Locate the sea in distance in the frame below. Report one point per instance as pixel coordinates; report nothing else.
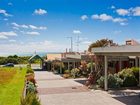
(28, 54)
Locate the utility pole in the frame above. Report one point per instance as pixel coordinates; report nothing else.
(71, 41)
(78, 43)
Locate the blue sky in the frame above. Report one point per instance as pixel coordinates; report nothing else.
(43, 25)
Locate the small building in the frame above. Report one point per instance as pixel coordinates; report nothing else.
(35, 56)
(132, 42)
(69, 59)
(116, 58)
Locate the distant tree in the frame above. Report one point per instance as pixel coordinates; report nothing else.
(2, 60)
(15, 56)
(14, 59)
(101, 43)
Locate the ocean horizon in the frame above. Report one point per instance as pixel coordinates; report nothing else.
(27, 54)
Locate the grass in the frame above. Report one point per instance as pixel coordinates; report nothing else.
(11, 85)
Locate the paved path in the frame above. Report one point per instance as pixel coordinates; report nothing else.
(55, 90)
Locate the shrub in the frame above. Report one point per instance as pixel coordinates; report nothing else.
(29, 69)
(30, 77)
(30, 99)
(100, 81)
(75, 73)
(91, 64)
(28, 66)
(128, 77)
(66, 75)
(113, 81)
(135, 71)
(130, 81)
(31, 88)
(67, 71)
(125, 72)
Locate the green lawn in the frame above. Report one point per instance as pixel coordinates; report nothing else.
(11, 85)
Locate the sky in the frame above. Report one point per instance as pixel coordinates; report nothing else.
(27, 26)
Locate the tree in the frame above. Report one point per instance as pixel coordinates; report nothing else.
(99, 58)
(101, 43)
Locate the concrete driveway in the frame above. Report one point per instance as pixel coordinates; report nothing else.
(55, 90)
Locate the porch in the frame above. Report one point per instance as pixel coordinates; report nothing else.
(121, 53)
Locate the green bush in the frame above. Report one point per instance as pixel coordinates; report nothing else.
(14, 59)
(130, 81)
(114, 81)
(67, 71)
(30, 99)
(91, 64)
(128, 77)
(136, 72)
(125, 72)
(29, 69)
(31, 88)
(75, 73)
(100, 81)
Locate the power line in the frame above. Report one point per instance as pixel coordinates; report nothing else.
(78, 43)
(71, 43)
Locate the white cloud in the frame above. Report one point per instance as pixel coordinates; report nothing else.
(15, 24)
(12, 40)
(136, 11)
(42, 28)
(24, 26)
(119, 20)
(117, 32)
(113, 7)
(10, 4)
(122, 12)
(40, 12)
(16, 28)
(77, 32)
(133, 11)
(39, 28)
(19, 26)
(28, 26)
(32, 27)
(3, 37)
(10, 33)
(43, 46)
(5, 19)
(84, 17)
(102, 17)
(86, 42)
(33, 33)
(39, 46)
(105, 17)
(123, 24)
(4, 12)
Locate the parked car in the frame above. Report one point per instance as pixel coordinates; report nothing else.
(9, 65)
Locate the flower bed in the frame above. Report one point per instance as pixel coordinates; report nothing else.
(30, 97)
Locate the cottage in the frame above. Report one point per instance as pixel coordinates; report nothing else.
(118, 57)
